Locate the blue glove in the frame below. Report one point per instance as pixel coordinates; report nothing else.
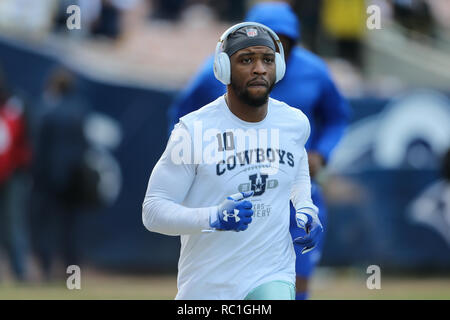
(313, 227)
(234, 213)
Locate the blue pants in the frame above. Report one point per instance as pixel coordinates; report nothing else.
(305, 263)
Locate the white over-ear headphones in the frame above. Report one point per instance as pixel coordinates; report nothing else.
(222, 65)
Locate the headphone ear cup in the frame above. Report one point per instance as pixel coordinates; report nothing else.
(222, 68)
(280, 67)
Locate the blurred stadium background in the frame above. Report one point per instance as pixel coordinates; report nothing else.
(386, 184)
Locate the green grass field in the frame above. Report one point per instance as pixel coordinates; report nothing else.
(325, 285)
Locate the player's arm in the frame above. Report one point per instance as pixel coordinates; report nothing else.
(169, 184)
(306, 212)
(301, 188)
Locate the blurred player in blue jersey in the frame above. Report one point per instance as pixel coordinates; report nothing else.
(307, 85)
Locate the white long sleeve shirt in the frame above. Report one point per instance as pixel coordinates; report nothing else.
(212, 154)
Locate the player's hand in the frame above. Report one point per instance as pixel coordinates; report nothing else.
(235, 213)
(313, 228)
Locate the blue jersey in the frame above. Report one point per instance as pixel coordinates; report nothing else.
(307, 85)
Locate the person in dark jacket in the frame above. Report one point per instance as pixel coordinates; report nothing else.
(59, 148)
(15, 158)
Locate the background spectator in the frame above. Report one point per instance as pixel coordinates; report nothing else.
(15, 156)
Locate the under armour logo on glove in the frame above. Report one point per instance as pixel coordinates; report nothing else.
(235, 213)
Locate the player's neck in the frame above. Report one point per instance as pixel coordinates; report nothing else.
(244, 111)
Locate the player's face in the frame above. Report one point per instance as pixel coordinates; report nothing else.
(253, 74)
